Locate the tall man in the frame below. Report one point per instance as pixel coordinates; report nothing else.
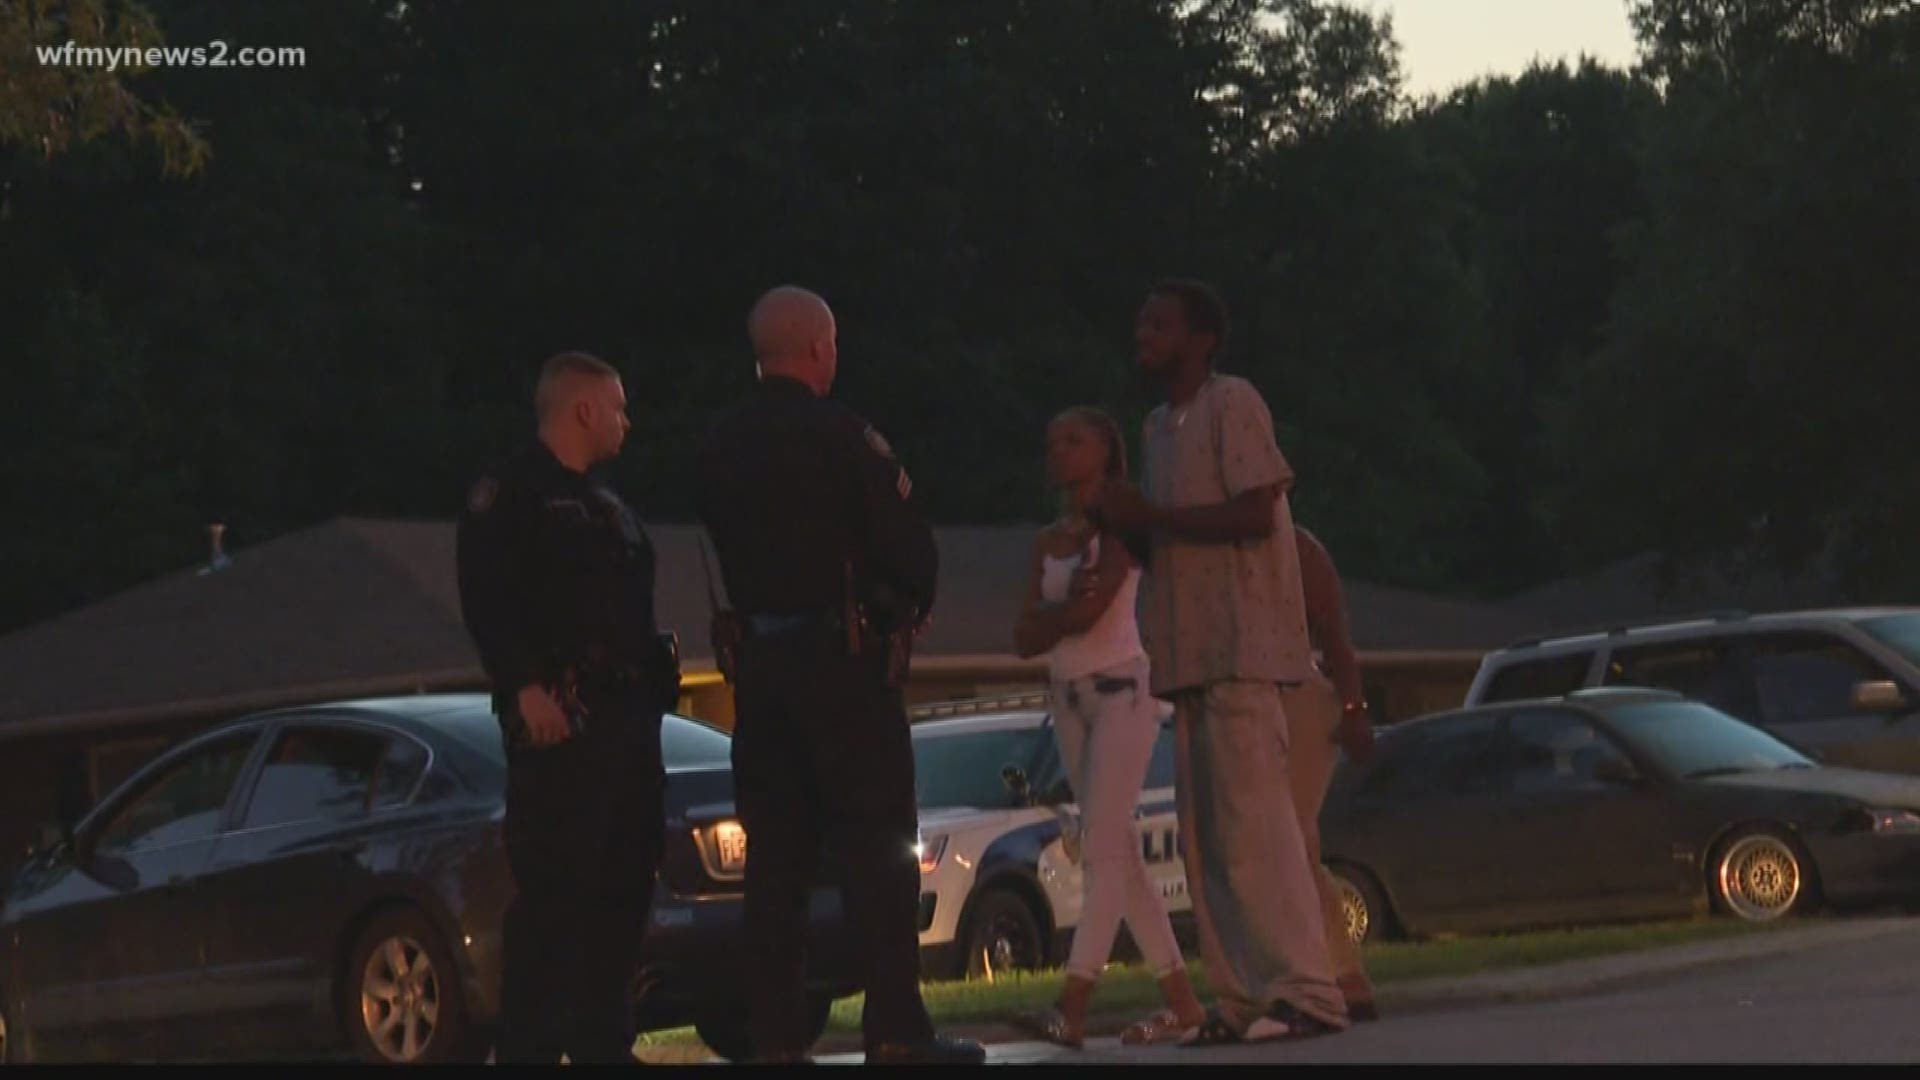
(1225, 628)
(556, 587)
(825, 559)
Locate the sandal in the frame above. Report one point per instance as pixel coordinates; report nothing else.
(1049, 1024)
(1213, 1031)
(1283, 1021)
(1162, 1026)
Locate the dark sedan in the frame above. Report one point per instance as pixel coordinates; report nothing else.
(333, 877)
(1607, 805)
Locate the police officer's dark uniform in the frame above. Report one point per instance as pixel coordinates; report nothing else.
(799, 495)
(556, 587)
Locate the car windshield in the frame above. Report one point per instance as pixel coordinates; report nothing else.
(1694, 740)
(962, 769)
(1901, 633)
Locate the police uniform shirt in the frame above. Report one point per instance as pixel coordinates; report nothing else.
(553, 570)
(792, 487)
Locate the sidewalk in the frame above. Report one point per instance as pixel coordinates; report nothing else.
(1546, 982)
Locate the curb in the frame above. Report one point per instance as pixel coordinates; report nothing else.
(1575, 978)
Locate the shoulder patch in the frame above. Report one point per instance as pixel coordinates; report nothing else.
(480, 497)
(879, 443)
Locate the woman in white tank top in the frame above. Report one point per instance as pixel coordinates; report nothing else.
(1106, 722)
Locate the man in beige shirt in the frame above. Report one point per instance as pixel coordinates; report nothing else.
(1224, 620)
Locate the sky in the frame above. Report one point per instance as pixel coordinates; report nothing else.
(1447, 42)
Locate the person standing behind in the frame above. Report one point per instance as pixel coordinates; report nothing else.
(1106, 722)
(825, 559)
(1329, 710)
(1225, 628)
(556, 588)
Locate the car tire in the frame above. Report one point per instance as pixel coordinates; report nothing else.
(402, 997)
(1003, 934)
(1760, 874)
(1364, 905)
(727, 1035)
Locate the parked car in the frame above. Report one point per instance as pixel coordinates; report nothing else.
(1000, 876)
(1843, 685)
(334, 877)
(1604, 805)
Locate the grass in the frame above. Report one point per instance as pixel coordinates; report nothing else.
(1129, 989)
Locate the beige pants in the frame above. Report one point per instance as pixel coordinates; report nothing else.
(1313, 714)
(1256, 905)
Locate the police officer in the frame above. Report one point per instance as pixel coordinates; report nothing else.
(556, 588)
(817, 536)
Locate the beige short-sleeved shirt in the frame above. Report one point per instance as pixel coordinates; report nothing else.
(1219, 611)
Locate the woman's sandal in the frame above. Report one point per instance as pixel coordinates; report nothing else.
(1213, 1031)
(1051, 1025)
(1163, 1026)
(1283, 1021)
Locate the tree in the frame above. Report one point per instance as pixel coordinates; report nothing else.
(1550, 163)
(1753, 388)
(50, 106)
(248, 345)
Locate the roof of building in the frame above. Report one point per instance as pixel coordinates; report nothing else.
(357, 607)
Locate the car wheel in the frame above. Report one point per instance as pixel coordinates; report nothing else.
(726, 1034)
(1761, 874)
(401, 995)
(1361, 904)
(1003, 936)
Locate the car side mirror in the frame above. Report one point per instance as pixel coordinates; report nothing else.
(1882, 696)
(1618, 772)
(1017, 784)
(54, 834)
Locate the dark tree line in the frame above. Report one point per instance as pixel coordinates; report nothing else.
(1533, 326)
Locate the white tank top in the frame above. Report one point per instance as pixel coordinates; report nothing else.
(1111, 641)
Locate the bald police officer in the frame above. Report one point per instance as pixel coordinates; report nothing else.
(811, 514)
(556, 587)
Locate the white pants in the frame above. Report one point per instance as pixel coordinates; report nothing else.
(1107, 723)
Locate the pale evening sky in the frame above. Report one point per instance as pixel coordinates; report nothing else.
(1447, 42)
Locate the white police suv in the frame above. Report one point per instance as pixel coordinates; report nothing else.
(1000, 878)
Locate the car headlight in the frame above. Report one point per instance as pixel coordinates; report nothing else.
(723, 849)
(1894, 822)
(929, 852)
